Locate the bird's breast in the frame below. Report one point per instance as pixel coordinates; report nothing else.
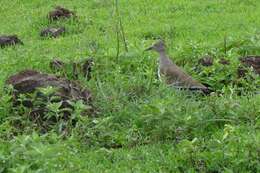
(159, 74)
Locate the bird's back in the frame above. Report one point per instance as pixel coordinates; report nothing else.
(176, 76)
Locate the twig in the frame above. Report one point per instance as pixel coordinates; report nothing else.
(120, 26)
(118, 42)
(123, 34)
(225, 44)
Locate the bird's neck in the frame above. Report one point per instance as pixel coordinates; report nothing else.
(164, 58)
(162, 54)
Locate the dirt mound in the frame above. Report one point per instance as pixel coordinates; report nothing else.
(65, 93)
(206, 61)
(56, 64)
(251, 61)
(83, 67)
(60, 13)
(28, 80)
(52, 32)
(8, 40)
(241, 71)
(87, 67)
(224, 61)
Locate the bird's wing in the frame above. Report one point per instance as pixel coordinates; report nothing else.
(176, 76)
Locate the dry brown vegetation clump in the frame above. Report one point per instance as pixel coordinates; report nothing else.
(8, 40)
(60, 13)
(52, 32)
(252, 61)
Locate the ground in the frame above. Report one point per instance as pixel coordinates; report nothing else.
(141, 125)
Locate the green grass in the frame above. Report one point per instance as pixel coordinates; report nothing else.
(159, 129)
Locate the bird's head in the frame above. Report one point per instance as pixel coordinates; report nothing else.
(158, 46)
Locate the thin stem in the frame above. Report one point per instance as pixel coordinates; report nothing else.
(118, 43)
(120, 26)
(123, 34)
(225, 44)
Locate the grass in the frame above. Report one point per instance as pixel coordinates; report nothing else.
(157, 129)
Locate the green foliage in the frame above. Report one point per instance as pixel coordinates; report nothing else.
(140, 125)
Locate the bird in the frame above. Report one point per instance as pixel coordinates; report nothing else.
(173, 75)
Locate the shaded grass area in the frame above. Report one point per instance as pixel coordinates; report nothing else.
(155, 128)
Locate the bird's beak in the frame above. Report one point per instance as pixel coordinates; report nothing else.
(149, 48)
